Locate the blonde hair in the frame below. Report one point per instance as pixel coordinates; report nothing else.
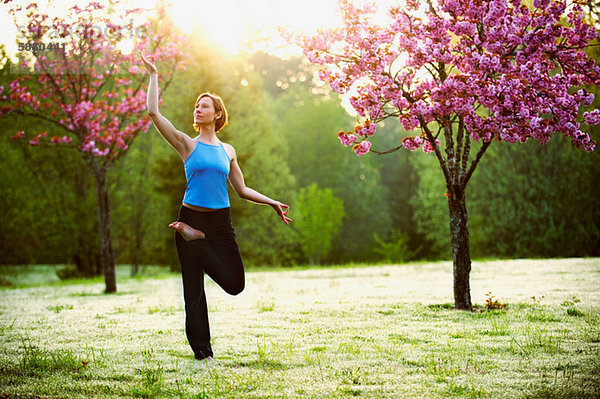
(219, 107)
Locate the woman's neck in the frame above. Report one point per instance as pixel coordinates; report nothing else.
(207, 134)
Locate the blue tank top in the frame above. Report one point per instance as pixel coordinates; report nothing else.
(206, 171)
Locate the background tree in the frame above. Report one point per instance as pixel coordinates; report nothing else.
(140, 211)
(316, 157)
(89, 90)
(55, 215)
(319, 217)
(468, 73)
(537, 201)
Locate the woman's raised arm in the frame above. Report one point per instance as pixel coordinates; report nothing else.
(179, 140)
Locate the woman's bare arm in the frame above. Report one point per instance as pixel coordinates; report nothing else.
(179, 140)
(236, 178)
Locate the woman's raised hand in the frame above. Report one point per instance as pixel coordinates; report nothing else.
(149, 63)
(278, 206)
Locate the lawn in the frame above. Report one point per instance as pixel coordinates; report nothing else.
(364, 331)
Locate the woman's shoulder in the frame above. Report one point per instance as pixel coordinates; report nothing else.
(229, 149)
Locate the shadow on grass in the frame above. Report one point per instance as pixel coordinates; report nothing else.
(261, 364)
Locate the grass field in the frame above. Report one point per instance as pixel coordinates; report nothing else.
(368, 331)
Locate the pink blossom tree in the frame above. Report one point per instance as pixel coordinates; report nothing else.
(72, 75)
(465, 73)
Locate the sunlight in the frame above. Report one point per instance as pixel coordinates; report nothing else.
(238, 25)
(126, 46)
(234, 26)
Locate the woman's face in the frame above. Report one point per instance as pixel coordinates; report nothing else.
(205, 111)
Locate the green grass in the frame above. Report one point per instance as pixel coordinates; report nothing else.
(369, 332)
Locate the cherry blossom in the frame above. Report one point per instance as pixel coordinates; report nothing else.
(499, 69)
(361, 148)
(80, 107)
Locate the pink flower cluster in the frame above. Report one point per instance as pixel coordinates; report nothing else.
(362, 148)
(36, 139)
(19, 135)
(39, 138)
(360, 131)
(412, 143)
(19, 93)
(347, 139)
(497, 68)
(427, 147)
(61, 140)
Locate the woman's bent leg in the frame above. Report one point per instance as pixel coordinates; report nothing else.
(226, 267)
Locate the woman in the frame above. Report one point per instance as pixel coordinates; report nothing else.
(204, 235)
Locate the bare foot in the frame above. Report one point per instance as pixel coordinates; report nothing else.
(187, 232)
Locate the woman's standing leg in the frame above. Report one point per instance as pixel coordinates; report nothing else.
(196, 311)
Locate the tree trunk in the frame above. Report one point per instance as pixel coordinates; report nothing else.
(106, 254)
(138, 228)
(138, 248)
(461, 256)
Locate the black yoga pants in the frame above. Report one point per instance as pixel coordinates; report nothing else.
(218, 256)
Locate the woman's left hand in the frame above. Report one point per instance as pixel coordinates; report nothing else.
(149, 63)
(278, 206)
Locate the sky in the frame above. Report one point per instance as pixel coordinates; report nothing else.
(232, 24)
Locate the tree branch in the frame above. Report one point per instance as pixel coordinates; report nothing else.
(40, 116)
(386, 152)
(459, 141)
(451, 156)
(465, 155)
(438, 153)
(474, 163)
(50, 78)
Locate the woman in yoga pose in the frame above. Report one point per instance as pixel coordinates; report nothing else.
(204, 235)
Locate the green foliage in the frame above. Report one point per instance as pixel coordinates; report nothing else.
(262, 154)
(397, 250)
(35, 360)
(431, 207)
(309, 123)
(140, 213)
(68, 272)
(401, 178)
(525, 200)
(48, 201)
(319, 218)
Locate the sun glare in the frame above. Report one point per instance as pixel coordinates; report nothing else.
(234, 26)
(238, 25)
